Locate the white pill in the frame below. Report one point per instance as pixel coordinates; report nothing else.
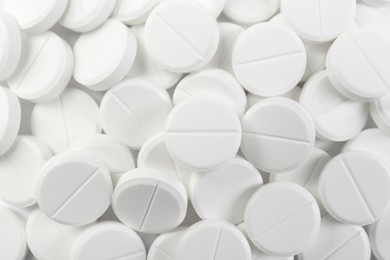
(86, 15)
(74, 189)
(109, 240)
(154, 154)
(36, 16)
(372, 17)
(337, 241)
(379, 237)
(100, 66)
(45, 68)
(355, 188)
(49, 240)
(11, 45)
(59, 123)
(214, 6)
(223, 193)
(12, 236)
(150, 200)
(213, 240)
(9, 118)
(215, 83)
(377, 3)
(20, 168)
(278, 135)
(336, 118)
(292, 94)
(318, 21)
(145, 67)
(181, 36)
(202, 133)
(133, 12)
(282, 219)
(357, 59)
(258, 61)
(250, 11)
(380, 113)
(165, 245)
(134, 110)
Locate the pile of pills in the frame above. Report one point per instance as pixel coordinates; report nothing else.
(194, 129)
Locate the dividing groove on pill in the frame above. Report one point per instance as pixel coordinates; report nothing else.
(277, 138)
(344, 243)
(269, 58)
(148, 207)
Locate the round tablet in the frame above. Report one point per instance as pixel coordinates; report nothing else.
(359, 58)
(36, 16)
(12, 236)
(372, 16)
(85, 15)
(215, 83)
(214, 6)
(181, 36)
(135, 106)
(318, 21)
(336, 118)
(100, 66)
(292, 94)
(10, 115)
(154, 154)
(20, 168)
(74, 189)
(109, 240)
(213, 240)
(379, 234)
(202, 133)
(165, 245)
(380, 113)
(355, 188)
(258, 62)
(48, 240)
(11, 45)
(62, 121)
(223, 193)
(150, 200)
(45, 68)
(282, 219)
(278, 135)
(338, 241)
(133, 12)
(249, 11)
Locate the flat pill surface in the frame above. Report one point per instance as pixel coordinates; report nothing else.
(278, 209)
(12, 234)
(364, 181)
(181, 36)
(133, 12)
(165, 245)
(196, 139)
(258, 62)
(278, 135)
(74, 189)
(379, 237)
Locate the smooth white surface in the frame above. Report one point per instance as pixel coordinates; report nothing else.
(380, 113)
(45, 68)
(377, 3)
(223, 193)
(250, 11)
(165, 245)
(133, 12)
(59, 123)
(278, 135)
(134, 110)
(379, 234)
(359, 58)
(181, 36)
(150, 200)
(215, 7)
(74, 189)
(109, 240)
(100, 66)
(36, 16)
(337, 241)
(20, 168)
(355, 188)
(215, 83)
(292, 94)
(265, 51)
(213, 240)
(318, 20)
(10, 115)
(336, 118)
(86, 15)
(11, 44)
(12, 236)
(195, 139)
(372, 16)
(282, 219)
